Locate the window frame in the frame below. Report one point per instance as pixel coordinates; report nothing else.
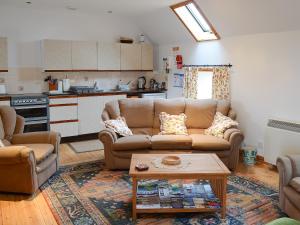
(174, 7)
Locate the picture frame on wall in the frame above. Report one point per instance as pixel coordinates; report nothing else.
(178, 80)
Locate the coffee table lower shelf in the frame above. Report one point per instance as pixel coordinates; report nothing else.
(177, 210)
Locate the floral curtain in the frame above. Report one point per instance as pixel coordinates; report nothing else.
(221, 83)
(190, 82)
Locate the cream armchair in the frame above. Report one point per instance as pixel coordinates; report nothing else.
(28, 159)
(289, 185)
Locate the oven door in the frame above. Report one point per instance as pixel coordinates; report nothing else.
(33, 112)
(36, 125)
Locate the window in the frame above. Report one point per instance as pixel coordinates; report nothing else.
(204, 89)
(195, 21)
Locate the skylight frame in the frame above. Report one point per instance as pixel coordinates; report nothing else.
(185, 3)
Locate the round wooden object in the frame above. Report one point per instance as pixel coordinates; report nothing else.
(171, 160)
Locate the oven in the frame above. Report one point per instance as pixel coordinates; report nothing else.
(34, 109)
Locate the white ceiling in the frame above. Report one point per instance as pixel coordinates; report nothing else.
(158, 22)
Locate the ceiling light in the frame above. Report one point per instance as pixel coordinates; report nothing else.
(71, 8)
(28, 3)
(109, 11)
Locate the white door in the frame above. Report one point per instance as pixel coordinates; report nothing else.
(109, 56)
(3, 54)
(84, 55)
(57, 55)
(131, 57)
(147, 57)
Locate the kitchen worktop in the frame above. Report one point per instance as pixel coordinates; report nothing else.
(106, 92)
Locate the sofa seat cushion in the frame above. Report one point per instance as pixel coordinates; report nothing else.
(171, 142)
(133, 142)
(41, 151)
(208, 142)
(292, 195)
(295, 183)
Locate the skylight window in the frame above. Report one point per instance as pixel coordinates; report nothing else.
(195, 21)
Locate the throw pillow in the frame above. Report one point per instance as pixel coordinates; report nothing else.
(172, 124)
(220, 124)
(119, 126)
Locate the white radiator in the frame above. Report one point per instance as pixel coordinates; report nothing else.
(281, 138)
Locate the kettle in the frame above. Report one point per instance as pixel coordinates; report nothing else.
(141, 82)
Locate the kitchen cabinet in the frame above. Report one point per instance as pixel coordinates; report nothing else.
(90, 110)
(64, 116)
(147, 57)
(131, 57)
(3, 55)
(84, 55)
(109, 56)
(57, 55)
(7, 103)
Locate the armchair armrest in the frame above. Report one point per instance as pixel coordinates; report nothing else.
(108, 136)
(44, 137)
(16, 154)
(18, 170)
(20, 121)
(285, 170)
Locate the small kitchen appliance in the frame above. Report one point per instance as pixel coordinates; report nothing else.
(141, 82)
(66, 85)
(2, 89)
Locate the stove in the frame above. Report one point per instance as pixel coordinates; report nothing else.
(35, 110)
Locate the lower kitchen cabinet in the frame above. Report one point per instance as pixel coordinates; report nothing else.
(66, 129)
(5, 103)
(89, 112)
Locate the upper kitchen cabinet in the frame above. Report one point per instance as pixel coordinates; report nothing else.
(57, 55)
(131, 55)
(3, 55)
(84, 55)
(109, 56)
(147, 57)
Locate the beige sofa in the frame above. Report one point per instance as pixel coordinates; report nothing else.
(27, 160)
(142, 117)
(289, 185)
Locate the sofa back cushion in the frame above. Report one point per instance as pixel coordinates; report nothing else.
(223, 107)
(200, 113)
(171, 106)
(138, 113)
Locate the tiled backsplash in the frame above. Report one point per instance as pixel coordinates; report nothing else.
(31, 80)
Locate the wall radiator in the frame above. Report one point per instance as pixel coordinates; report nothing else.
(281, 138)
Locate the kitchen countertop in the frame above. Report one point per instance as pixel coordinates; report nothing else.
(108, 92)
(4, 97)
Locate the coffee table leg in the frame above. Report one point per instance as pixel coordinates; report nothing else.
(134, 189)
(223, 199)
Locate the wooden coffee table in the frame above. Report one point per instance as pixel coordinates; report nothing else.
(200, 166)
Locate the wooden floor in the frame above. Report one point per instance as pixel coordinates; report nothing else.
(24, 210)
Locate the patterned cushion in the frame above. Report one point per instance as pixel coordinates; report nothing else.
(220, 124)
(172, 124)
(119, 126)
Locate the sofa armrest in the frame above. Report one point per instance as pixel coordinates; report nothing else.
(45, 137)
(235, 138)
(232, 114)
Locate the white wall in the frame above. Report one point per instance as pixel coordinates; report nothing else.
(265, 76)
(25, 28)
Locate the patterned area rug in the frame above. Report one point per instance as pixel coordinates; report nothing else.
(87, 194)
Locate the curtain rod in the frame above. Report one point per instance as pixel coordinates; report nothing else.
(221, 65)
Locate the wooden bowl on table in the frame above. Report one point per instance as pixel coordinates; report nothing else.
(171, 160)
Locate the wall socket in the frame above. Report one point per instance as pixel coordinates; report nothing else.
(21, 88)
